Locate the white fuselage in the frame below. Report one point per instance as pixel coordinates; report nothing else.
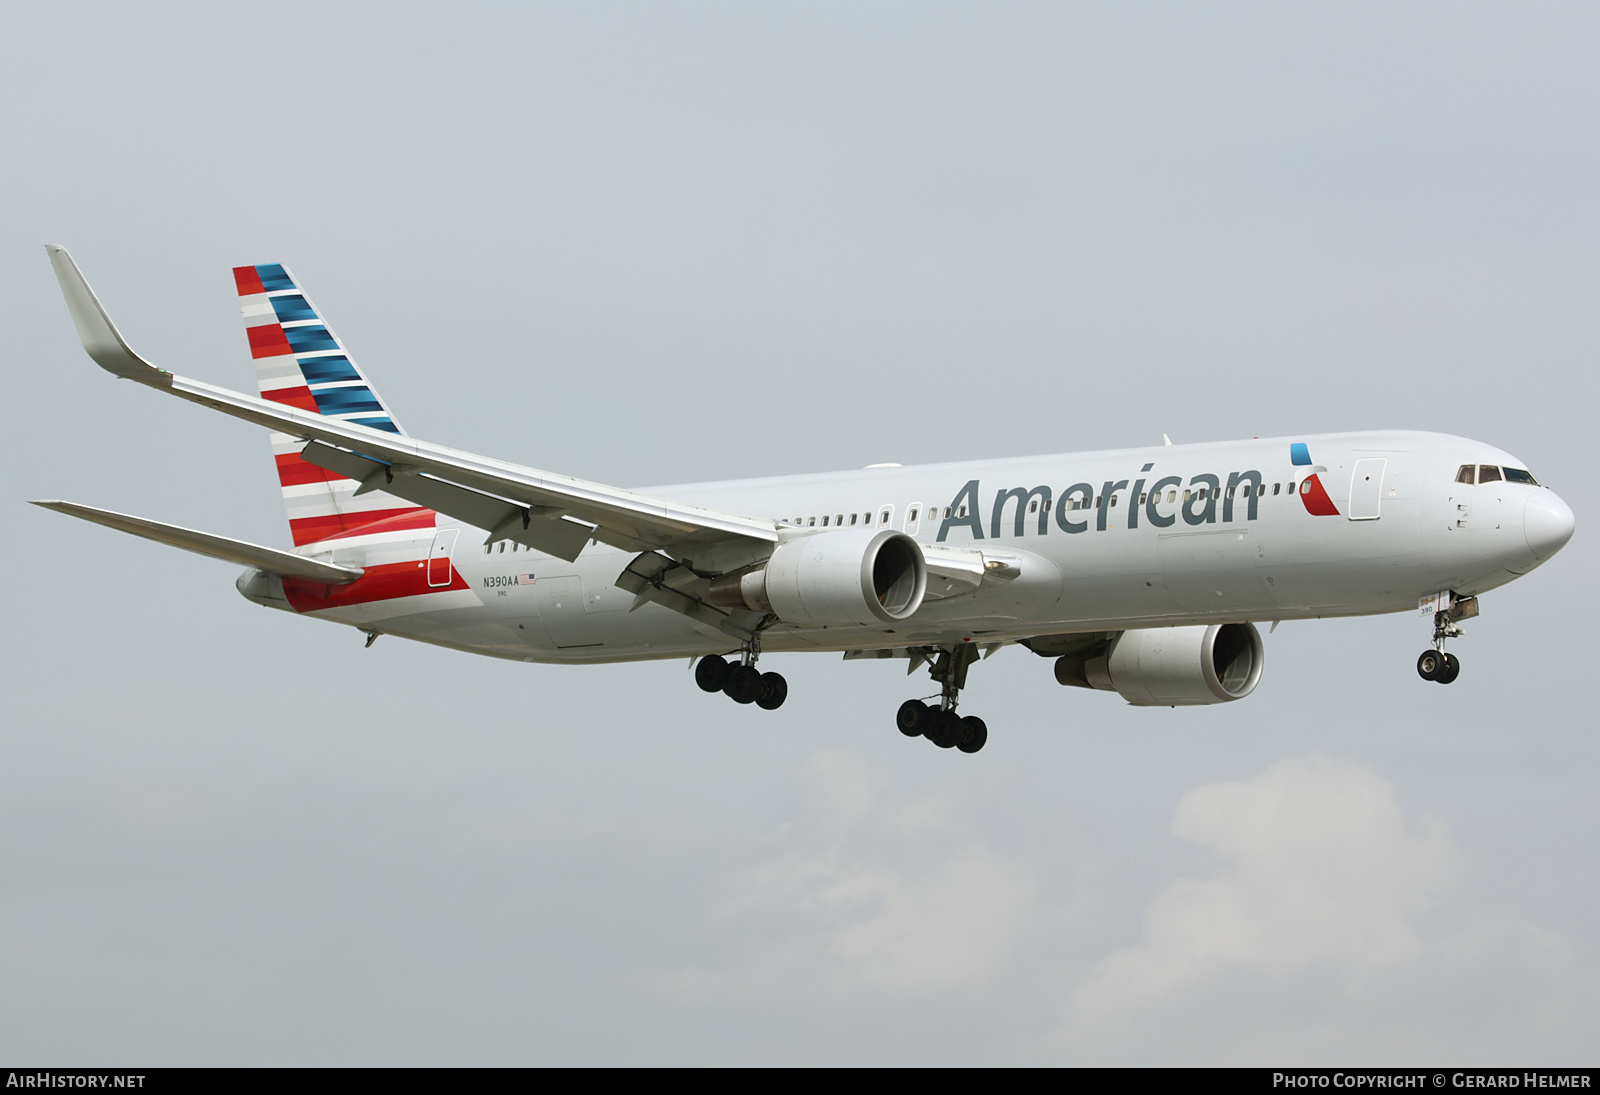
(1097, 542)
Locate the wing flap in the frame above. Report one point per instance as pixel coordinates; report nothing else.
(538, 527)
(217, 547)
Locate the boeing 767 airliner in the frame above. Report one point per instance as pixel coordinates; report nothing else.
(1139, 571)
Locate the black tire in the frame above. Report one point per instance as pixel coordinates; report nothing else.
(1430, 663)
(744, 684)
(913, 718)
(712, 673)
(1450, 670)
(946, 729)
(974, 732)
(774, 690)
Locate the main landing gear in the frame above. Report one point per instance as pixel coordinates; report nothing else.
(939, 722)
(1435, 665)
(742, 682)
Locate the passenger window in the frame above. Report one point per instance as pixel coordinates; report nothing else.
(1113, 500)
(1291, 486)
(912, 516)
(883, 518)
(502, 547)
(1141, 498)
(1465, 475)
(810, 521)
(1033, 507)
(839, 520)
(824, 520)
(947, 512)
(1186, 496)
(1488, 473)
(962, 512)
(852, 518)
(1172, 496)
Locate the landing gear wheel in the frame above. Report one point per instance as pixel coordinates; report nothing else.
(945, 730)
(743, 684)
(711, 673)
(914, 717)
(1430, 663)
(774, 690)
(1450, 670)
(974, 732)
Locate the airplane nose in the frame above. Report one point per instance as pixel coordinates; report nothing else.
(1547, 523)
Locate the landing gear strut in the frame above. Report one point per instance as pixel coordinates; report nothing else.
(742, 682)
(1435, 665)
(939, 722)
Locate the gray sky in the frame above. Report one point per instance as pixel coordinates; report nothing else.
(660, 243)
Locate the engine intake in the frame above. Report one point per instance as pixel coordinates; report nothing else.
(832, 579)
(1171, 666)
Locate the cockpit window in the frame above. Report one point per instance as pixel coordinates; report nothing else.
(1488, 473)
(1517, 475)
(1467, 474)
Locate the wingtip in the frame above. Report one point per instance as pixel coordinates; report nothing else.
(100, 337)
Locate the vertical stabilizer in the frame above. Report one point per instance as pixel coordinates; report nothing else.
(300, 362)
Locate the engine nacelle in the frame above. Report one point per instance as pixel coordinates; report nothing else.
(832, 579)
(1172, 666)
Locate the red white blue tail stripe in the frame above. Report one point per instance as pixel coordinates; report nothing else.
(300, 362)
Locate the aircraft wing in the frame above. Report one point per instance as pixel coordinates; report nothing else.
(553, 513)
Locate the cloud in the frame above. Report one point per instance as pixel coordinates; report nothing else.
(859, 893)
(1321, 870)
(942, 930)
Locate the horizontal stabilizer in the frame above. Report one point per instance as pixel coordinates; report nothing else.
(218, 547)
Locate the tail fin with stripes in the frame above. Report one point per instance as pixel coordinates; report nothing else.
(301, 362)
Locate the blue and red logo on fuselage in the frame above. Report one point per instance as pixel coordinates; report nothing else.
(1312, 493)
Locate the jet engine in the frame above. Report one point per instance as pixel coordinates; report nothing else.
(1171, 666)
(832, 579)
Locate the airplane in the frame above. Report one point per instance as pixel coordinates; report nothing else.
(1139, 571)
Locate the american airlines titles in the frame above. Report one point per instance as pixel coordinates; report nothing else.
(1199, 504)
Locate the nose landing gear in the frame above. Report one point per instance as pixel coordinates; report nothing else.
(1435, 665)
(939, 722)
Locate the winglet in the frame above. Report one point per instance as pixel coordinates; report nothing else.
(99, 335)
